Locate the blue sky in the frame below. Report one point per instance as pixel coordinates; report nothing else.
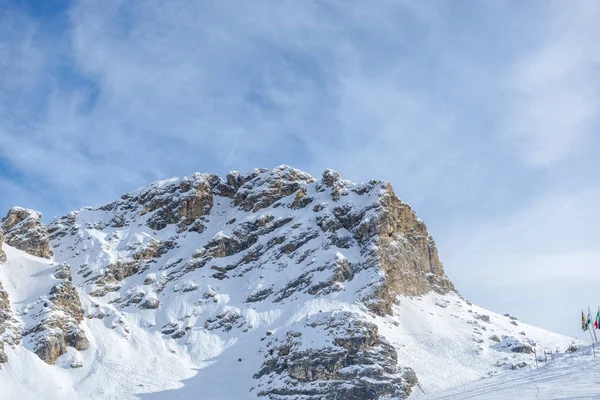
(484, 115)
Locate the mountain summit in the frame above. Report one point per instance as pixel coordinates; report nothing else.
(271, 284)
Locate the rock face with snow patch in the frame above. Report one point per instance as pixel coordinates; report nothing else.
(23, 229)
(10, 330)
(2, 253)
(354, 362)
(58, 317)
(5, 315)
(8, 324)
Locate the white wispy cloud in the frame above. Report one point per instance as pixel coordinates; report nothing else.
(478, 113)
(556, 103)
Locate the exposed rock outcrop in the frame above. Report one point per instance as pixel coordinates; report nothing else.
(24, 230)
(354, 363)
(10, 329)
(4, 316)
(2, 253)
(183, 202)
(403, 249)
(514, 345)
(267, 188)
(59, 317)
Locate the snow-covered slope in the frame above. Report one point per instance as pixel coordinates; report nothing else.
(574, 377)
(272, 284)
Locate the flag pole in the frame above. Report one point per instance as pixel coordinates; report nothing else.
(593, 349)
(592, 328)
(586, 327)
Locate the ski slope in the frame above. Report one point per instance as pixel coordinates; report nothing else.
(447, 344)
(564, 377)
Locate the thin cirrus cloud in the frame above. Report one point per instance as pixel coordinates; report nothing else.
(478, 113)
(557, 88)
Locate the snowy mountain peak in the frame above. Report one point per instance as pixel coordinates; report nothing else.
(294, 282)
(267, 214)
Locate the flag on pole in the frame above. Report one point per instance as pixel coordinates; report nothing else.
(584, 325)
(597, 322)
(590, 324)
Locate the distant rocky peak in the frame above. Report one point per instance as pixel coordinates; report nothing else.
(23, 229)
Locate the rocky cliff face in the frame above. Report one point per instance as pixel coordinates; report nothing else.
(5, 311)
(58, 316)
(24, 230)
(5, 315)
(217, 255)
(2, 253)
(354, 362)
(10, 329)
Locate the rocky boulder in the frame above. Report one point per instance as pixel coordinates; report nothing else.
(24, 230)
(514, 345)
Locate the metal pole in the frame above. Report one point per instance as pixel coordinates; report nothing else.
(592, 325)
(594, 350)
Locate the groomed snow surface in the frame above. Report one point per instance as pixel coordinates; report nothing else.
(572, 377)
